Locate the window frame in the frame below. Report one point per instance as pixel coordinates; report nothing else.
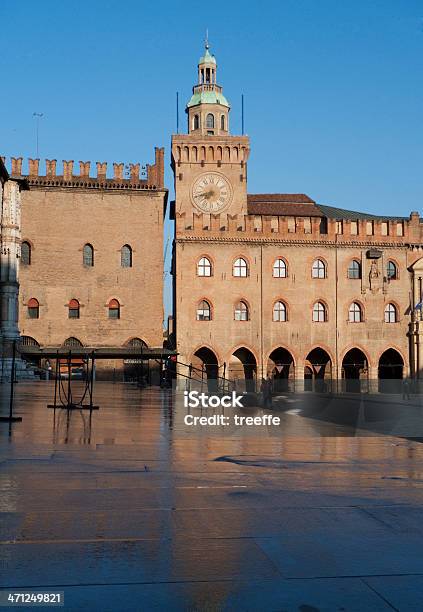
(278, 311)
(129, 253)
(25, 244)
(210, 125)
(201, 266)
(317, 310)
(388, 312)
(355, 312)
(276, 267)
(396, 268)
(350, 275)
(315, 266)
(74, 307)
(33, 308)
(236, 266)
(89, 246)
(241, 308)
(202, 309)
(114, 306)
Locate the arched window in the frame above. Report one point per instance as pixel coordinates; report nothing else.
(203, 311)
(391, 271)
(279, 311)
(210, 121)
(279, 269)
(354, 269)
(26, 253)
(355, 313)
(222, 122)
(126, 256)
(73, 309)
(196, 123)
(33, 309)
(391, 314)
(241, 312)
(72, 341)
(319, 312)
(204, 267)
(240, 267)
(88, 256)
(114, 309)
(318, 269)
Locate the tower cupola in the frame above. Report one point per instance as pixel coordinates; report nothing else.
(208, 109)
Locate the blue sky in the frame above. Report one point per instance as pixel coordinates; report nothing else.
(333, 90)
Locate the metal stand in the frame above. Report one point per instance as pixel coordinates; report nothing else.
(63, 397)
(11, 418)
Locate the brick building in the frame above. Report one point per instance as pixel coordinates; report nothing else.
(277, 283)
(91, 256)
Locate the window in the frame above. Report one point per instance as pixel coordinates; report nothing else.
(33, 309)
(384, 228)
(339, 227)
(391, 315)
(400, 228)
(323, 228)
(73, 309)
(307, 225)
(26, 253)
(241, 312)
(354, 228)
(204, 311)
(318, 269)
(391, 271)
(222, 122)
(210, 121)
(88, 256)
(369, 228)
(319, 312)
(126, 256)
(354, 269)
(196, 122)
(114, 309)
(292, 226)
(240, 267)
(279, 311)
(204, 267)
(279, 269)
(355, 313)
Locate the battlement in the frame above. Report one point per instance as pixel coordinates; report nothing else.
(125, 176)
(304, 229)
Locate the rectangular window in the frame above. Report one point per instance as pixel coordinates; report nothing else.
(73, 313)
(384, 228)
(400, 228)
(354, 228)
(339, 227)
(307, 225)
(291, 224)
(323, 225)
(369, 228)
(33, 312)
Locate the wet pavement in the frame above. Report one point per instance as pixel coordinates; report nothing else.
(134, 510)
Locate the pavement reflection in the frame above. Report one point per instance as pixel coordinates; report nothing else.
(128, 508)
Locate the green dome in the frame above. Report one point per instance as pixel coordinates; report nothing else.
(207, 58)
(208, 97)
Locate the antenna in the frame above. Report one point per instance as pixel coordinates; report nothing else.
(206, 42)
(177, 112)
(242, 114)
(37, 126)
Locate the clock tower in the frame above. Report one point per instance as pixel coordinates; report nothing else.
(210, 165)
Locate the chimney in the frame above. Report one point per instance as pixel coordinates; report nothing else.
(16, 165)
(101, 170)
(67, 170)
(84, 169)
(34, 165)
(51, 167)
(118, 171)
(134, 171)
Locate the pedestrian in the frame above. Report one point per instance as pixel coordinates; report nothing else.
(405, 389)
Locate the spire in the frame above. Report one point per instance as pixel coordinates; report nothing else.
(208, 108)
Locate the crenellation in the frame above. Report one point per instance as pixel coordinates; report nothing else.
(154, 175)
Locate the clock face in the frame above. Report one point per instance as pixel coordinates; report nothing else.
(211, 192)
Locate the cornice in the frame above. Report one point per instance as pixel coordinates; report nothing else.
(86, 184)
(300, 243)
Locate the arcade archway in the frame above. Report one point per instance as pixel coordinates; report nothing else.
(243, 370)
(280, 367)
(318, 370)
(390, 371)
(355, 370)
(205, 368)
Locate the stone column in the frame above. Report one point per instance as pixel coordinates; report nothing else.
(9, 271)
